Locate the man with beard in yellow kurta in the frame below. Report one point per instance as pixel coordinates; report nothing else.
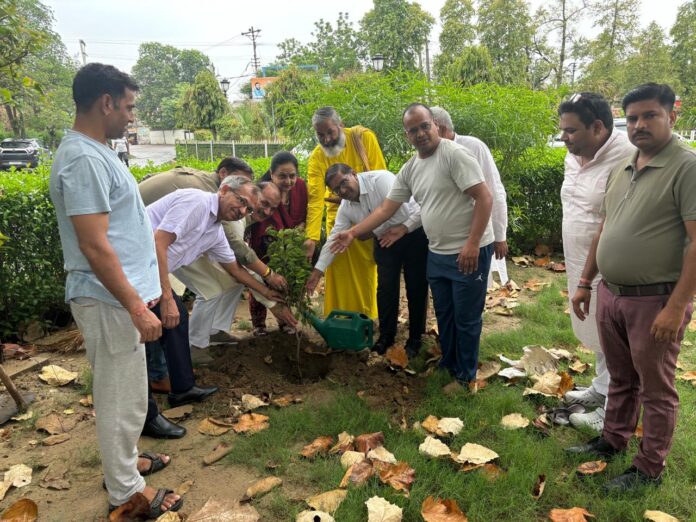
(351, 280)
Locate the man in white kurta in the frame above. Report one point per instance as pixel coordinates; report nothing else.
(595, 147)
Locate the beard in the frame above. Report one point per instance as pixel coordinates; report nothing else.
(334, 150)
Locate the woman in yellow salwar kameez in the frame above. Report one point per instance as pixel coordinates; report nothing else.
(351, 280)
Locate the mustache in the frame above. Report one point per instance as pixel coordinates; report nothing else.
(642, 133)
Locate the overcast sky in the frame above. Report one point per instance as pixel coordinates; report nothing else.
(113, 30)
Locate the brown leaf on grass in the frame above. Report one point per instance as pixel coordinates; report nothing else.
(358, 474)
(180, 412)
(543, 424)
(226, 511)
(136, 508)
(556, 267)
(367, 441)
(55, 478)
(539, 486)
(566, 384)
(542, 261)
(523, 261)
(430, 424)
(396, 356)
(251, 423)
(261, 487)
(219, 452)
(328, 501)
(659, 516)
(493, 472)
(445, 510)
(578, 366)
(592, 467)
(56, 439)
(319, 446)
(575, 514)
(345, 443)
(442, 427)
(286, 400)
(208, 427)
(487, 369)
(53, 424)
(550, 384)
(535, 285)
(400, 476)
(688, 376)
(24, 510)
(467, 467)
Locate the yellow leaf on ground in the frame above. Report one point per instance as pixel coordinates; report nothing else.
(430, 424)
(400, 476)
(351, 457)
(380, 510)
(659, 516)
(225, 510)
(24, 510)
(475, 454)
(319, 446)
(251, 423)
(56, 375)
(434, 448)
(592, 467)
(252, 402)
(261, 487)
(207, 427)
(539, 486)
(396, 356)
(328, 501)
(381, 454)
(345, 443)
(578, 366)
(314, 516)
(575, 514)
(286, 400)
(547, 384)
(514, 421)
(688, 376)
(169, 516)
(445, 510)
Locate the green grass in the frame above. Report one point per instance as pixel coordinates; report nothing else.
(523, 454)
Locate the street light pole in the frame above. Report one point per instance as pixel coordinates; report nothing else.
(225, 86)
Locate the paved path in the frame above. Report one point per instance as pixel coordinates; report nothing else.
(157, 154)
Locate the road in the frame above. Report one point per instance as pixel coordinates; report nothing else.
(141, 154)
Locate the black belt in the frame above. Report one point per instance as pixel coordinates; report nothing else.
(640, 290)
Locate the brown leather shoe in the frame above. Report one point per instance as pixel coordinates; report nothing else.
(162, 386)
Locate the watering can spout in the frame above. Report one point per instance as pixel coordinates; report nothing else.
(317, 323)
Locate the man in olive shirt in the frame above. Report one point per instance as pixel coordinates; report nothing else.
(645, 253)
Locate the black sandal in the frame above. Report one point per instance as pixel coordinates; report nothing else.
(156, 510)
(156, 464)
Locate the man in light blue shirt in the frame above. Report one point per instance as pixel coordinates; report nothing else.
(401, 244)
(112, 279)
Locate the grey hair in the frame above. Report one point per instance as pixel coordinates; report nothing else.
(237, 182)
(442, 118)
(326, 113)
(263, 184)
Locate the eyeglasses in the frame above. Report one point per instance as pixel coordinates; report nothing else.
(340, 187)
(425, 127)
(244, 202)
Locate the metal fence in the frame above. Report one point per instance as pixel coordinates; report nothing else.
(212, 150)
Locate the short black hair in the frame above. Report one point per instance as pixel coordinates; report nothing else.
(416, 105)
(96, 79)
(335, 170)
(589, 106)
(231, 164)
(661, 92)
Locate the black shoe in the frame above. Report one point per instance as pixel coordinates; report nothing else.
(629, 480)
(381, 346)
(195, 394)
(162, 428)
(597, 446)
(413, 347)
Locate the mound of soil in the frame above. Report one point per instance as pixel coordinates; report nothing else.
(269, 365)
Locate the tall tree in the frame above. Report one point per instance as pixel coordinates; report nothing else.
(472, 66)
(398, 30)
(683, 35)
(158, 71)
(504, 27)
(652, 61)
(203, 104)
(458, 32)
(337, 49)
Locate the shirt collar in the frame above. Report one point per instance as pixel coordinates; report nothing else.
(660, 160)
(362, 183)
(215, 204)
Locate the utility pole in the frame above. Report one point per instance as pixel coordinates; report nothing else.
(253, 34)
(427, 60)
(83, 51)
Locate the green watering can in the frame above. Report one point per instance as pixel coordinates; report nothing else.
(344, 330)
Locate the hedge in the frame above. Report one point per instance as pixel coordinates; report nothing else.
(31, 262)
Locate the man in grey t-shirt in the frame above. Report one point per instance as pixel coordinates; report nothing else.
(112, 277)
(455, 208)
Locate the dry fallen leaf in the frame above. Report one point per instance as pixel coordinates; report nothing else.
(443, 427)
(345, 443)
(224, 511)
(261, 487)
(169, 516)
(400, 476)
(514, 421)
(53, 424)
(252, 402)
(688, 376)
(537, 360)
(446, 510)
(523, 261)
(314, 516)
(430, 424)
(380, 510)
(55, 478)
(547, 384)
(251, 422)
(368, 441)
(351, 457)
(692, 325)
(543, 424)
(542, 261)
(659, 516)
(578, 366)
(327, 502)
(23, 416)
(18, 475)
(539, 486)
(575, 514)
(358, 474)
(535, 285)
(487, 369)
(24, 510)
(87, 401)
(219, 452)
(592, 467)
(396, 356)
(556, 267)
(180, 412)
(286, 400)
(381, 454)
(475, 454)
(492, 471)
(55, 439)
(56, 376)
(433, 447)
(208, 427)
(319, 446)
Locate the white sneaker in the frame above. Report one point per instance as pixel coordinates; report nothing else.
(593, 420)
(587, 397)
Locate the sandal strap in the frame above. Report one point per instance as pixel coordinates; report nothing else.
(156, 463)
(156, 504)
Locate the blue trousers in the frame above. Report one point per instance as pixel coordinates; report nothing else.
(459, 300)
